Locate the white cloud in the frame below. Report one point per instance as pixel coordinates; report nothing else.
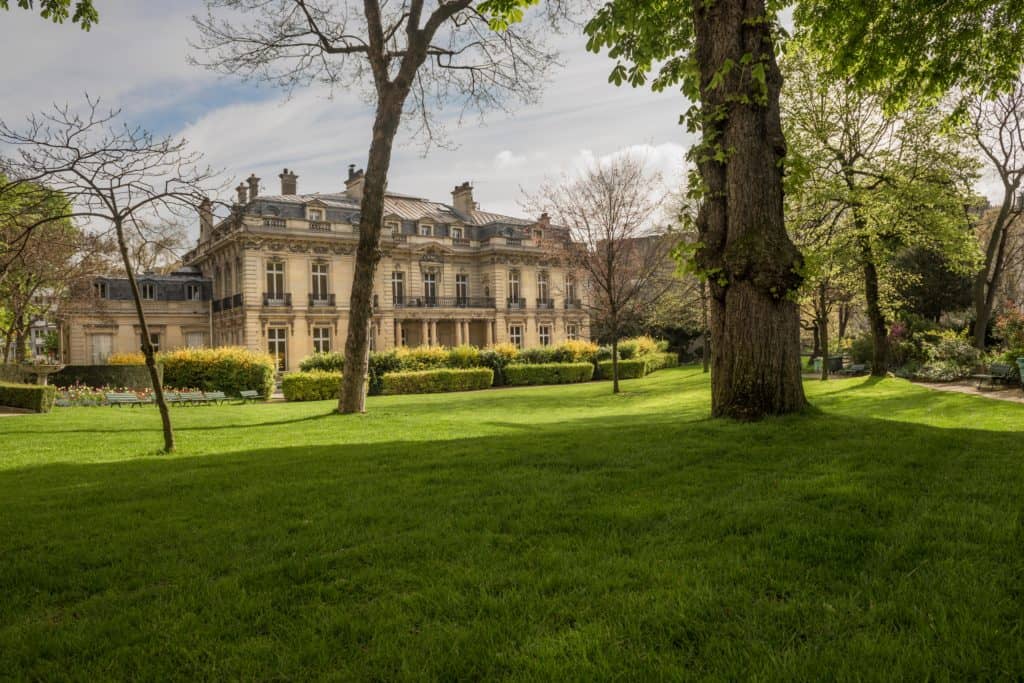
(506, 159)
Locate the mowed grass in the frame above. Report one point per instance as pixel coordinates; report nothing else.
(553, 533)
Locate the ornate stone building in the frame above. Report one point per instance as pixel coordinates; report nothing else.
(281, 271)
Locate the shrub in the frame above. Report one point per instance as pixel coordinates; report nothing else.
(1009, 328)
(127, 358)
(576, 351)
(497, 357)
(539, 354)
(862, 348)
(381, 363)
(660, 359)
(628, 369)
(32, 397)
(603, 353)
(628, 349)
(315, 385)
(130, 376)
(433, 381)
(422, 357)
(229, 369)
(325, 362)
(464, 356)
(548, 373)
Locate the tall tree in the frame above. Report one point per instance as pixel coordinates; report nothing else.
(609, 209)
(413, 57)
(997, 126)
(114, 177)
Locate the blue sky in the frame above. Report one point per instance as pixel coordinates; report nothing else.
(136, 59)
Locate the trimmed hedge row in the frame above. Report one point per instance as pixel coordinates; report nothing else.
(628, 369)
(29, 396)
(310, 386)
(97, 376)
(660, 360)
(434, 381)
(228, 369)
(548, 373)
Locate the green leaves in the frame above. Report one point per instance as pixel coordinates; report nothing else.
(58, 11)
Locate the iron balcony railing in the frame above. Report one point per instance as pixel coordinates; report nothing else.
(545, 303)
(516, 303)
(444, 302)
(227, 303)
(325, 300)
(573, 303)
(280, 299)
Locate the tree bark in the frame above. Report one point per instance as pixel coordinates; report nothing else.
(705, 333)
(876, 319)
(986, 281)
(615, 364)
(357, 346)
(752, 264)
(147, 343)
(821, 324)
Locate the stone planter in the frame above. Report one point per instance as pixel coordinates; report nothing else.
(41, 371)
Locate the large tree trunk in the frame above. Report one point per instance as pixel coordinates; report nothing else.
(147, 342)
(876, 319)
(753, 265)
(357, 346)
(705, 332)
(986, 282)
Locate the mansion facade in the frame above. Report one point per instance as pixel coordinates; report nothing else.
(276, 276)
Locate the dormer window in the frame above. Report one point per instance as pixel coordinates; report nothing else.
(426, 229)
(148, 291)
(315, 214)
(456, 233)
(392, 227)
(101, 289)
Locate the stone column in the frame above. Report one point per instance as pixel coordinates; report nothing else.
(398, 333)
(423, 332)
(488, 332)
(458, 332)
(433, 333)
(465, 331)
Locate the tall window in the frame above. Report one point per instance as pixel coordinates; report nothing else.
(542, 286)
(461, 287)
(425, 229)
(570, 288)
(101, 289)
(316, 215)
(513, 286)
(515, 335)
(148, 291)
(545, 334)
(321, 339)
(398, 287)
(277, 346)
(154, 339)
(217, 289)
(228, 280)
(319, 282)
(238, 274)
(457, 233)
(275, 280)
(102, 345)
(194, 340)
(193, 292)
(572, 332)
(430, 287)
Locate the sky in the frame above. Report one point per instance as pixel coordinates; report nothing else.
(135, 59)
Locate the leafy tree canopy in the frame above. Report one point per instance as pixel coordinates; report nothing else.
(81, 12)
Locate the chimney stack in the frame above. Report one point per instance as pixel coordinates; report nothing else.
(289, 182)
(544, 221)
(462, 198)
(242, 190)
(354, 184)
(254, 186)
(205, 219)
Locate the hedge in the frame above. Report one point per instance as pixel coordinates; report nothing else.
(229, 369)
(548, 373)
(628, 369)
(325, 362)
(433, 381)
(659, 360)
(98, 376)
(310, 386)
(13, 374)
(32, 397)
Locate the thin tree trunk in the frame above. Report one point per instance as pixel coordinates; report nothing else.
(705, 350)
(876, 319)
(755, 327)
(844, 319)
(147, 344)
(816, 336)
(986, 281)
(615, 364)
(821, 324)
(357, 346)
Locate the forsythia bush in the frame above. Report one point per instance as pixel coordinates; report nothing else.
(422, 357)
(577, 351)
(230, 369)
(29, 396)
(134, 358)
(549, 373)
(628, 369)
(464, 356)
(311, 386)
(433, 381)
(326, 362)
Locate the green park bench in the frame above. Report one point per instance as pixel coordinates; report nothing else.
(125, 398)
(998, 373)
(217, 397)
(855, 369)
(249, 395)
(193, 397)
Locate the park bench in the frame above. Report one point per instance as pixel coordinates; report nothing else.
(249, 395)
(173, 397)
(998, 373)
(125, 398)
(195, 397)
(855, 369)
(217, 397)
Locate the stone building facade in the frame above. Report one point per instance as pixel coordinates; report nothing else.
(281, 266)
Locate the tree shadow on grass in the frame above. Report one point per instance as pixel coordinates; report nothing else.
(596, 548)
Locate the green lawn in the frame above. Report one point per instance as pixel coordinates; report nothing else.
(554, 533)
